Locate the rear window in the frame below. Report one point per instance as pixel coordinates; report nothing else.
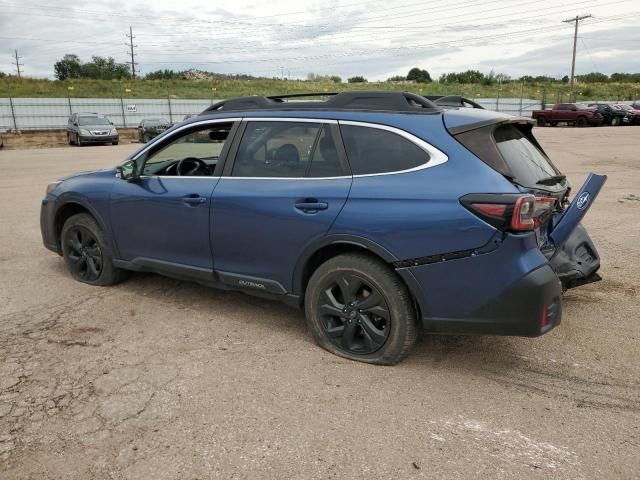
(526, 162)
(372, 150)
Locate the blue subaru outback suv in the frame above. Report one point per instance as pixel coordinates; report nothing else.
(381, 214)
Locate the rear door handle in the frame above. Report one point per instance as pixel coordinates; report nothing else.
(311, 205)
(194, 199)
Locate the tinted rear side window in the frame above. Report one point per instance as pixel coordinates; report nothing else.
(526, 162)
(372, 150)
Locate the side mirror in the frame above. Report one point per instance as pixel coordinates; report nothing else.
(75, 124)
(128, 171)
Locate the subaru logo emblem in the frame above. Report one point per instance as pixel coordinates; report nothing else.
(583, 200)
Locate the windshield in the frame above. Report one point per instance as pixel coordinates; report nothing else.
(156, 121)
(525, 160)
(582, 106)
(93, 121)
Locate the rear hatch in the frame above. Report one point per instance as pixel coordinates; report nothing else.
(507, 144)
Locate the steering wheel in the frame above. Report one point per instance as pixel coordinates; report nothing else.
(199, 163)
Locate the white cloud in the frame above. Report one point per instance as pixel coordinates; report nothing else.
(373, 38)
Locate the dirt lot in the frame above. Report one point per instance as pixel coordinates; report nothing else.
(157, 378)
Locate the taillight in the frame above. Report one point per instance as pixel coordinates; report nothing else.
(522, 217)
(513, 212)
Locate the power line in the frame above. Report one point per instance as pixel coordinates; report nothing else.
(575, 20)
(131, 45)
(18, 64)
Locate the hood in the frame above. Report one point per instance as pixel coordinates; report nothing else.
(87, 172)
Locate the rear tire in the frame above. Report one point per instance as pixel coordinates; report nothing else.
(542, 122)
(358, 308)
(554, 124)
(581, 122)
(615, 121)
(86, 253)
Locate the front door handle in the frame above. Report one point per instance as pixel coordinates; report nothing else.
(311, 205)
(194, 199)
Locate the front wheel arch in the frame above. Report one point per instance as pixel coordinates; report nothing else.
(73, 207)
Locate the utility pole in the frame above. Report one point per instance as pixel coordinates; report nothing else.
(575, 20)
(18, 64)
(131, 46)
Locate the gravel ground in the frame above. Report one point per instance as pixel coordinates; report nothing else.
(162, 379)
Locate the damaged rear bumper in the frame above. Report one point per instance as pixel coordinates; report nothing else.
(577, 262)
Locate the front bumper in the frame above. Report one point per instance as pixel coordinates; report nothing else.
(47, 225)
(510, 291)
(98, 138)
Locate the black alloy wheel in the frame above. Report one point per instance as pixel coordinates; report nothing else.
(83, 251)
(354, 314)
(359, 308)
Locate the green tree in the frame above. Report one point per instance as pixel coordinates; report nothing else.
(105, 68)
(69, 67)
(419, 76)
(335, 79)
(565, 79)
(593, 77)
(165, 74)
(397, 78)
(357, 79)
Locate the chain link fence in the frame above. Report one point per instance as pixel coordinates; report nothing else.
(53, 113)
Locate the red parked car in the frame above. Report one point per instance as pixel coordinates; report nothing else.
(576, 114)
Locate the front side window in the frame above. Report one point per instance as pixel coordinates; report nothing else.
(373, 150)
(286, 149)
(195, 153)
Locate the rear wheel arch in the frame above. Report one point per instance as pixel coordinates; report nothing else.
(317, 254)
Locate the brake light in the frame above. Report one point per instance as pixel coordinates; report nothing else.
(510, 212)
(493, 209)
(522, 217)
(543, 207)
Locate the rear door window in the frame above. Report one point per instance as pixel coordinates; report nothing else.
(275, 149)
(372, 150)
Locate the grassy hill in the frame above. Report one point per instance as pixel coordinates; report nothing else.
(85, 88)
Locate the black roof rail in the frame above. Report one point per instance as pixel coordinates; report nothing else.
(453, 101)
(371, 101)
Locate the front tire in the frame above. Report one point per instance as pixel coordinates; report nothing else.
(86, 254)
(581, 122)
(358, 308)
(615, 121)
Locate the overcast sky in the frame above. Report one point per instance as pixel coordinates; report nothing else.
(374, 38)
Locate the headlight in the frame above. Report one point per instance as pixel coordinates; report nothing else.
(84, 132)
(52, 186)
(113, 132)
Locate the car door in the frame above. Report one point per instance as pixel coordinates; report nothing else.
(285, 187)
(161, 220)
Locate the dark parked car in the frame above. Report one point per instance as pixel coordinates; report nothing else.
(576, 114)
(631, 111)
(152, 127)
(379, 213)
(87, 128)
(611, 115)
